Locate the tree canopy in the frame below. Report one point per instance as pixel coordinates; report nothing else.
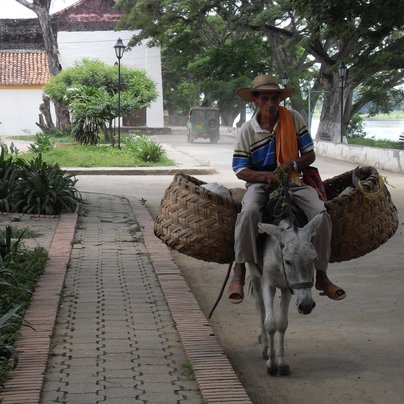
(90, 91)
(212, 47)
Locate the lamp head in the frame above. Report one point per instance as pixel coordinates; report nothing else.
(342, 70)
(119, 48)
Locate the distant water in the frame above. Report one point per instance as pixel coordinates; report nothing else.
(378, 128)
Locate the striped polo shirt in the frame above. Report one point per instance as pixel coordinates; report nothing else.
(255, 146)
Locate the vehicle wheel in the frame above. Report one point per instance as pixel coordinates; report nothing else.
(212, 123)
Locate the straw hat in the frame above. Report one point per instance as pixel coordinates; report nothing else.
(264, 83)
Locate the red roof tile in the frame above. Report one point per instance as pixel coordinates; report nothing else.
(19, 68)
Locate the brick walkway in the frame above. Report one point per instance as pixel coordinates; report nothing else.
(128, 326)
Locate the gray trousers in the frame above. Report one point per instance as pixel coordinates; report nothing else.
(246, 228)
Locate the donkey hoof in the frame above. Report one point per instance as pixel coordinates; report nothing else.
(284, 370)
(272, 370)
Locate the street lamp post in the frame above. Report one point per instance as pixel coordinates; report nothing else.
(342, 75)
(309, 107)
(119, 49)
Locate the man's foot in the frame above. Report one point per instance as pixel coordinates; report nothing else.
(327, 288)
(235, 291)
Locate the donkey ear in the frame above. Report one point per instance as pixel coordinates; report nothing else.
(312, 227)
(269, 229)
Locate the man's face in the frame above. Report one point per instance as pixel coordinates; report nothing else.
(268, 103)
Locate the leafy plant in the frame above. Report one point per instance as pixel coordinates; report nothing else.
(7, 351)
(144, 148)
(44, 188)
(20, 270)
(42, 143)
(8, 245)
(8, 177)
(90, 91)
(88, 121)
(356, 128)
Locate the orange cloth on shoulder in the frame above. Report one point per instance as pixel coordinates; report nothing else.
(286, 140)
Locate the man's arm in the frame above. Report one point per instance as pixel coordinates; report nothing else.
(302, 162)
(269, 177)
(257, 177)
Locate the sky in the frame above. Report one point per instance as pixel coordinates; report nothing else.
(12, 9)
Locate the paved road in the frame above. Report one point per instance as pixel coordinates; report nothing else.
(348, 351)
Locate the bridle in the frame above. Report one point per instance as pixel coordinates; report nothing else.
(300, 285)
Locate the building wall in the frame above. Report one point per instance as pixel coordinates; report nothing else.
(74, 46)
(19, 111)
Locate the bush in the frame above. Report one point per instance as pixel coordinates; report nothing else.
(35, 187)
(20, 270)
(356, 128)
(8, 178)
(43, 143)
(44, 189)
(144, 148)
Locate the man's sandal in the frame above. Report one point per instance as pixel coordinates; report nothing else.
(235, 291)
(333, 292)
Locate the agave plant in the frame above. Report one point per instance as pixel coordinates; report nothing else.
(44, 188)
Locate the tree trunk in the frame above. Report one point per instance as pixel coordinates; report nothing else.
(45, 117)
(41, 9)
(331, 120)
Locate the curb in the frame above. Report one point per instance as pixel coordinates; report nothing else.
(25, 383)
(216, 377)
(139, 170)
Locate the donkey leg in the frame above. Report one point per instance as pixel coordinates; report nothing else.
(282, 325)
(259, 303)
(268, 294)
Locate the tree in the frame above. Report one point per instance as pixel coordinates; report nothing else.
(90, 91)
(367, 37)
(41, 9)
(308, 40)
(204, 57)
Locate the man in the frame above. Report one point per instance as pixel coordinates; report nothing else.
(275, 137)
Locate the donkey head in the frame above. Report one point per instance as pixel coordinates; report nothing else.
(298, 258)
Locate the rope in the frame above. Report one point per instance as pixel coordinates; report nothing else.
(379, 187)
(221, 290)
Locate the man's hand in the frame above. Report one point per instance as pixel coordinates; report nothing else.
(270, 178)
(287, 167)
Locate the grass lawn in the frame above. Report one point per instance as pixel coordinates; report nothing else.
(95, 156)
(136, 152)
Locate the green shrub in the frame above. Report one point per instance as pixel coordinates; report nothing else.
(8, 178)
(35, 187)
(43, 143)
(144, 148)
(20, 270)
(44, 188)
(356, 128)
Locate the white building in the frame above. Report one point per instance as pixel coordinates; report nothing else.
(84, 30)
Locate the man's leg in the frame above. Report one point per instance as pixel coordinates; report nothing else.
(245, 238)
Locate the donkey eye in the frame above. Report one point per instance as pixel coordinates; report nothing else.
(288, 263)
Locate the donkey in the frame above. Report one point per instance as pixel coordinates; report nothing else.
(288, 258)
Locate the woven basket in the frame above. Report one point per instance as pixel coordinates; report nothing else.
(363, 219)
(200, 223)
(196, 221)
